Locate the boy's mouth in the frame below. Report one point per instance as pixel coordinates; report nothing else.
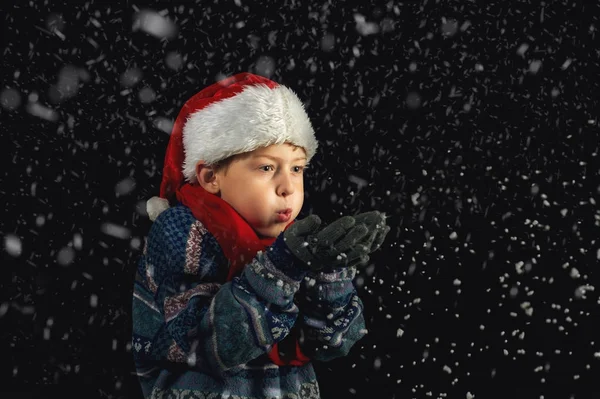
(284, 215)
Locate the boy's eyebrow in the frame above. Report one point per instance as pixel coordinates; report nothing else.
(276, 158)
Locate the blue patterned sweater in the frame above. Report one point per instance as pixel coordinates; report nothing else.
(197, 336)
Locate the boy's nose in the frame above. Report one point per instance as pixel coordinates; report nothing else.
(285, 187)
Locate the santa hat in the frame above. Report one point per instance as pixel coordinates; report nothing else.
(235, 115)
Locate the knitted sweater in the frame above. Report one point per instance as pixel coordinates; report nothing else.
(196, 335)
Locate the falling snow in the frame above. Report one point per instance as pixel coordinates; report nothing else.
(154, 23)
(473, 127)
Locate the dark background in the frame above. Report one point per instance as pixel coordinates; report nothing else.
(473, 125)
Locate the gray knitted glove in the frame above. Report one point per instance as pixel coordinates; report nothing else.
(357, 253)
(323, 248)
(378, 229)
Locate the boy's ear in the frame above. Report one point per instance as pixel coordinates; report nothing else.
(207, 178)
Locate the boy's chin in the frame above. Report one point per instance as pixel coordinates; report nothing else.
(269, 233)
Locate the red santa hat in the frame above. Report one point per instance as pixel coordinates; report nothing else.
(235, 115)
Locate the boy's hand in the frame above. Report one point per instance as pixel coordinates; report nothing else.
(296, 237)
(378, 229)
(357, 253)
(318, 249)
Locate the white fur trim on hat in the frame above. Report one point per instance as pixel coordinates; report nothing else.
(256, 117)
(155, 206)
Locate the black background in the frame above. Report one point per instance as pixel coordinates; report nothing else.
(472, 124)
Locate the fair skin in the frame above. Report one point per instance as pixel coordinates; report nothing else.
(260, 186)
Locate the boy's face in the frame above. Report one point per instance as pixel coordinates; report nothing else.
(266, 187)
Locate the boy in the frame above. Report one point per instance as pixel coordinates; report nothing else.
(233, 297)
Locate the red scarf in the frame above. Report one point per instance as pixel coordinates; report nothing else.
(240, 244)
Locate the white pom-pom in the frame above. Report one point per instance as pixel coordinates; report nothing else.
(155, 206)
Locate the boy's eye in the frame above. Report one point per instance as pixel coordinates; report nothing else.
(270, 168)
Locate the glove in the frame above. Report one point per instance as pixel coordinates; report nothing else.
(377, 229)
(317, 248)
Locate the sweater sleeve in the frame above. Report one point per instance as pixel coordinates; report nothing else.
(331, 314)
(182, 314)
